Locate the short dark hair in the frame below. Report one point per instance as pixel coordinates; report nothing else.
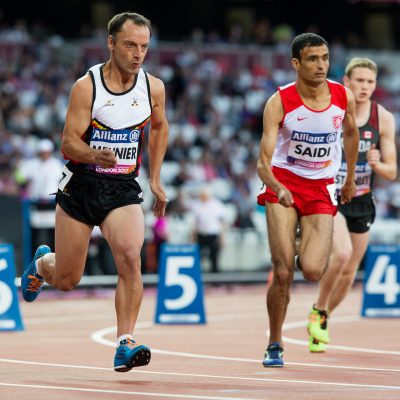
(306, 40)
(116, 22)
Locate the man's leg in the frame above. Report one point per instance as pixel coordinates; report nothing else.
(315, 245)
(71, 245)
(123, 228)
(214, 252)
(339, 258)
(315, 248)
(281, 224)
(203, 246)
(345, 282)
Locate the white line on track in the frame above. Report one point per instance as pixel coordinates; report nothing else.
(235, 378)
(98, 337)
(348, 318)
(75, 389)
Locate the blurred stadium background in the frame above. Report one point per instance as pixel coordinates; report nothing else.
(220, 62)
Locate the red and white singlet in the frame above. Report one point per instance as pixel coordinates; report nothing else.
(309, 141)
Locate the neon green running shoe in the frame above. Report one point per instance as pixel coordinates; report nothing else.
(317, 326)
(315, 346)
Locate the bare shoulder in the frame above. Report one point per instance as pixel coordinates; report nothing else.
(385, 116)
(274, 105)
(157, 87)
(85, 82)
(349, 94)
(82, 90)
(274, 101)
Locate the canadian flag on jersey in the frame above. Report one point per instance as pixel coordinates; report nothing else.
(367, 135)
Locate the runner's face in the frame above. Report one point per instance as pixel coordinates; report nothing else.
(362, 82)
(313, 64)
(130, 47)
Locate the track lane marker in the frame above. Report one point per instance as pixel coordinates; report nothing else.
(107, 391)
(241, 378)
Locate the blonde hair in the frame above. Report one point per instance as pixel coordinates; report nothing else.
(359, 62)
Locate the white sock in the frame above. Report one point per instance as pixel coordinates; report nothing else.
(123, 337)
(37, 267)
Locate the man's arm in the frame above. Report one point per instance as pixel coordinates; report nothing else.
(77, 122)
(273, 115)
(383, 160)
(158, 142)
(351, 137)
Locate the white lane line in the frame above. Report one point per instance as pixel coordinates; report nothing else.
(75, 389)
(235, 378)
(65, 318)
(340, 319)
(98, 337)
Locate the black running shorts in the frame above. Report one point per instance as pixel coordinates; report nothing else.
(359, 213)
(89, 197)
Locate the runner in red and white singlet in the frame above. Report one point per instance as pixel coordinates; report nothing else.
(308, 146)
(300, 153)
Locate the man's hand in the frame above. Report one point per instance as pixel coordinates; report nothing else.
(348, 191)
(161, 199)
(106, 158)
(285, 197)
(373, 156)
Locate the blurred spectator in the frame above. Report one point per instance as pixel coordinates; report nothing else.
(8, 184)
(42, 173)
(394, 201)
(262, 32)
(39, 176)
(209, 215)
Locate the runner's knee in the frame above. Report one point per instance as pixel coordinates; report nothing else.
(312, 271)
(282, 274)
(341, 258)
(66, 284)
(348, 277)
(128, 261)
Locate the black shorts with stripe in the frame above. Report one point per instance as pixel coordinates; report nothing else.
(89, 197)
(359, 213)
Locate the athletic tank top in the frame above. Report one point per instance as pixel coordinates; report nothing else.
(369, 134)
(118, 121)
(308, 142)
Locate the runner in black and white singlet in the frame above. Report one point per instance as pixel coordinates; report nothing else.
(300, 154)
(103, 136)
(377, 155)
(117, 123)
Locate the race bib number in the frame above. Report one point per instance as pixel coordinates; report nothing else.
(65, 178)
(311, 150)
(363, 178)
(332, 193)
(123, 142)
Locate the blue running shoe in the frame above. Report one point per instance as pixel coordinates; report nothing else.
(31, 281)
(273, 356)
(129, 354)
